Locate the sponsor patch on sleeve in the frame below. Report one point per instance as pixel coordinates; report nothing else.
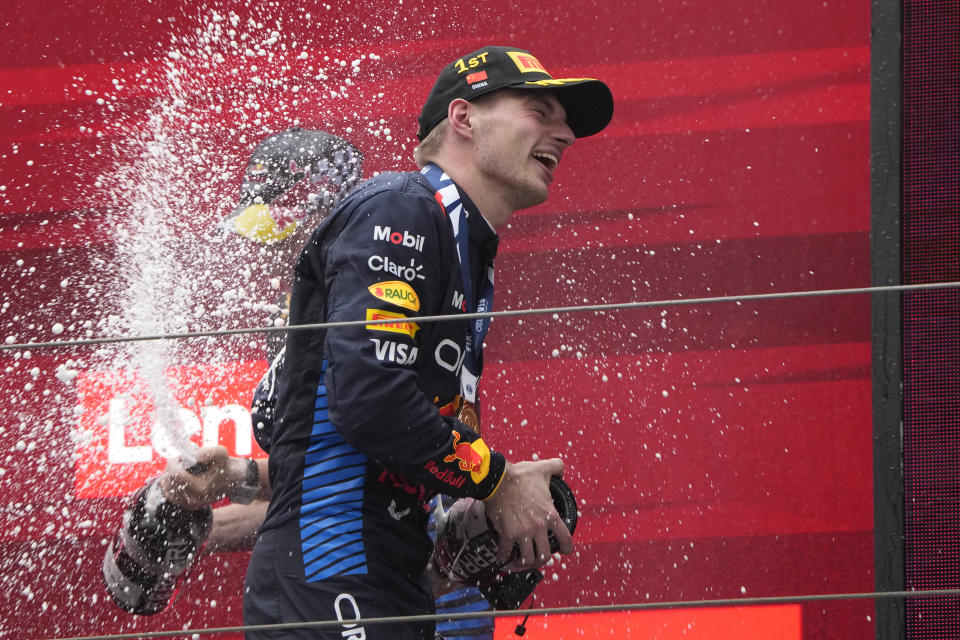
(397, 293)
(471, 456)
(400, 323)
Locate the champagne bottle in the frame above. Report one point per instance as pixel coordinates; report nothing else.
(153, 550)
(466, 544)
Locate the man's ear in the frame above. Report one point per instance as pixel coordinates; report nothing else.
(458, 114)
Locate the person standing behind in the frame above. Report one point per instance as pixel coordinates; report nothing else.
(373, 420)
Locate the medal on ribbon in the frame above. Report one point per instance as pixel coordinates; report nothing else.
(468, 416)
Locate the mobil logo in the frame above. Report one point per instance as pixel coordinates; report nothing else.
(396, 292)
(128, 426)
(404, 238)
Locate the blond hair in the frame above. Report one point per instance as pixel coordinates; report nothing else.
(429, 148)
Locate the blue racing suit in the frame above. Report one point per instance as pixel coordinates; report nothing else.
(363, 432)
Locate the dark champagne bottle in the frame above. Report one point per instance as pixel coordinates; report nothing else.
(466, 544)
(152, 550)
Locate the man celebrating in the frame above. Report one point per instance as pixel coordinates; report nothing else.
(373, 420)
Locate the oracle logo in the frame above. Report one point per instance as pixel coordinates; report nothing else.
(348, 619)
(124, 434)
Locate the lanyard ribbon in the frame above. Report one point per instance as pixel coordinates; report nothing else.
(458, 214)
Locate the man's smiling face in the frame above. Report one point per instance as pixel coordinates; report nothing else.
(520, 137)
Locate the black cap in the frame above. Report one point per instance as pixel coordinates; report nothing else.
(283, 159)
(588, 102)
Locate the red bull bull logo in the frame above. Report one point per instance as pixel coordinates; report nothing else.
(470, 456)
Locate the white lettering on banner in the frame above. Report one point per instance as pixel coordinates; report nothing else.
(383, 263)
(405, 239)
(447, 348)
(458, 301)
(213, 417)
(119, 422)
(350, 629)
(402, 354)
(164, 440)
(117, 450)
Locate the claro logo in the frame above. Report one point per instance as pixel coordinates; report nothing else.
(122, 429)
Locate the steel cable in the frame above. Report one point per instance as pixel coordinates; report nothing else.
(490, 314)
(605, 608)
